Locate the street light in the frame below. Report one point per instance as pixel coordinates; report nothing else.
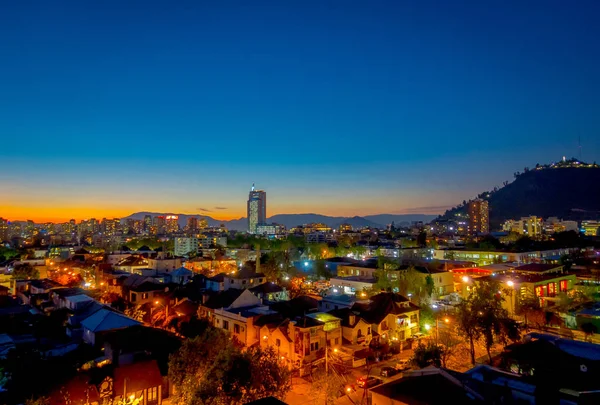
(511, 284)
(465, 279)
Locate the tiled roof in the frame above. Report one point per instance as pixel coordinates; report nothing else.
(104, 320)
(223, 299)
(381, 305)
(266, 288)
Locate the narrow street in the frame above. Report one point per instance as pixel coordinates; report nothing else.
(301, 388)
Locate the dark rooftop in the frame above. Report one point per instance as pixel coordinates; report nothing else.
(222, 299)
(266, 288)
(431, 388)
(539, 267)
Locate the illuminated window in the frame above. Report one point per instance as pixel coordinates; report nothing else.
(152, 394)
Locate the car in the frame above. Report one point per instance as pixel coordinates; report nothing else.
(418, 336)
(403, 364)
(367, 381)
(389, 371)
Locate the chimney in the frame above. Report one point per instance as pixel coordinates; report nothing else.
(352, 319)
(204, 298)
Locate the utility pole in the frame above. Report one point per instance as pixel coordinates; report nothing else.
(326, 355)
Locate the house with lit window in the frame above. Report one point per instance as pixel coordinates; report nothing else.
(390, 316)
(235, 311)
(542, 281)
(301, 341)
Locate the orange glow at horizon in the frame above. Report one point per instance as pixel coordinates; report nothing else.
(65, 214)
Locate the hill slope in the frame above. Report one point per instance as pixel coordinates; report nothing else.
(568, 193)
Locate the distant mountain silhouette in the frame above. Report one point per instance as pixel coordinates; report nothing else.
(292, 220)
(567, 193)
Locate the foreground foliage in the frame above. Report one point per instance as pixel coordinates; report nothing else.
(211, 369)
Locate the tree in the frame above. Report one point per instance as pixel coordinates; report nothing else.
(427, 355)
(467, 323)
(531, 310)
(426, 317)
(25, 271)
(326, 388)
(212, 369)
(482, 315)
(450, 343)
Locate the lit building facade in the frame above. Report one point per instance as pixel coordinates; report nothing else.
(257, 209)
(479, 217)
(185, 246)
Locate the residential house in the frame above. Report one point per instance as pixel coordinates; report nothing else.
(164, 264)
(237, 318)
(103, 321)
(239, 280)
(302, 341)
(443, 281)
(181, 276)
(270, 292)
(147, 292)
(392, 317)
(336, 301)
(131, 263)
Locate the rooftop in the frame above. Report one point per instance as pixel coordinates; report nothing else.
(539, 268)
(104, 320)
(416, 388)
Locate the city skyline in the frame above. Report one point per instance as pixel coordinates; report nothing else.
(332, 108)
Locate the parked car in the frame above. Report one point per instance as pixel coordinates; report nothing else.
(403, 364)
(367, 381)
(418, 336)
(389, 371)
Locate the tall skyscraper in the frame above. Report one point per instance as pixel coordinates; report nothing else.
(257, 209)
(479, 217)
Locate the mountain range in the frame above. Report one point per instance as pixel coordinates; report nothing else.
(292, 220)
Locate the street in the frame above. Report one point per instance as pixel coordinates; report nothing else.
(301, 392)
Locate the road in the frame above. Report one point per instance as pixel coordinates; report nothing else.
(301, 394)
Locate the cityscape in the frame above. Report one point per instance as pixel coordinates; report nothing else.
(269, 203)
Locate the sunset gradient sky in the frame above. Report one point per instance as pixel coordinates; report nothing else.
(334, 107)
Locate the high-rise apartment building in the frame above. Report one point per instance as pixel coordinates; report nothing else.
(185, 246)
(172, 223)
(479, 217)
(159, 224)
(3, 229)
(192, 225)
(257, 209)
(147, 222)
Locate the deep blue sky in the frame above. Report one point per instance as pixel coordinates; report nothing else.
(336, 107)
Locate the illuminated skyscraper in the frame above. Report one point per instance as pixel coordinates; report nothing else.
(257, 209)
(479, 217)
(172, 223)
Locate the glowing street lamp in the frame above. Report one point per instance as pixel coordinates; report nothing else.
(465, 279)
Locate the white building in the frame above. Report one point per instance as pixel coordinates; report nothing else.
(185, 245)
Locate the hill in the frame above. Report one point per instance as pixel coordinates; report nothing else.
(292, 220)
(564, 192)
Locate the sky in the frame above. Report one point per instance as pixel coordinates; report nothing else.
(332, 107)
